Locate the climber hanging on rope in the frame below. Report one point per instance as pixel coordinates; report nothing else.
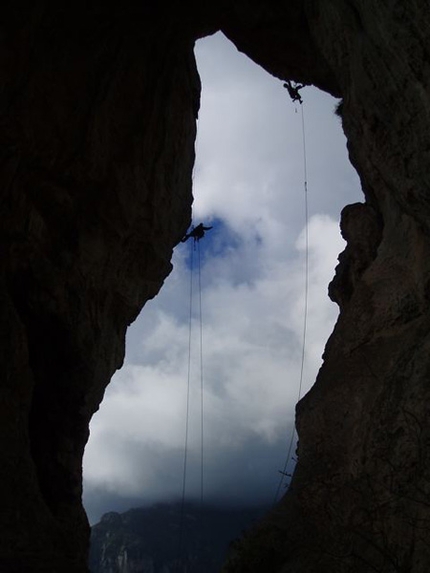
(293, 91)
(196, 233)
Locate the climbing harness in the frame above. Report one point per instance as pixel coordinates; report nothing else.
(284, 472)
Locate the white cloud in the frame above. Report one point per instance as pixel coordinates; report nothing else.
(249, 181)
(252, 350)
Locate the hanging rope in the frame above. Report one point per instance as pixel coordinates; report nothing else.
(201, 388)
(305, 317)
(187, 413)
(202, 411)
(284, 473)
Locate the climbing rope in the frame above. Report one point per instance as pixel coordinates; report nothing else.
(202, 410)
(187, 414)
(284, 473)
(194, 245)
(201, 390)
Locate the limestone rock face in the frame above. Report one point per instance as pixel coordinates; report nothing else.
(358, 498)
(97, 148)
(98, 109)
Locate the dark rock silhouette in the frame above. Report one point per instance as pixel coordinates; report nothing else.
(149, 538)
(98, 109)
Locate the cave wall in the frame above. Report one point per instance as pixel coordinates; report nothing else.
(98, 110)
(358, 500)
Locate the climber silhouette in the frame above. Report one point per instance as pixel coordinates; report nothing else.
(293, 91)
(196, 233)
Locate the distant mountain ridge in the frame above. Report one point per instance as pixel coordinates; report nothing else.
(151, 539)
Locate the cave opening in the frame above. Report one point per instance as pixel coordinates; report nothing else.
(248, 184)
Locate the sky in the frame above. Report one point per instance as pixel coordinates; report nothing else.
(248, 183)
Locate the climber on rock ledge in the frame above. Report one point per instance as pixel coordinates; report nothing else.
(197, 233)
(293, 91)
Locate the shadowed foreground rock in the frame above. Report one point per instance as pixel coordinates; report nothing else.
(98, 109)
